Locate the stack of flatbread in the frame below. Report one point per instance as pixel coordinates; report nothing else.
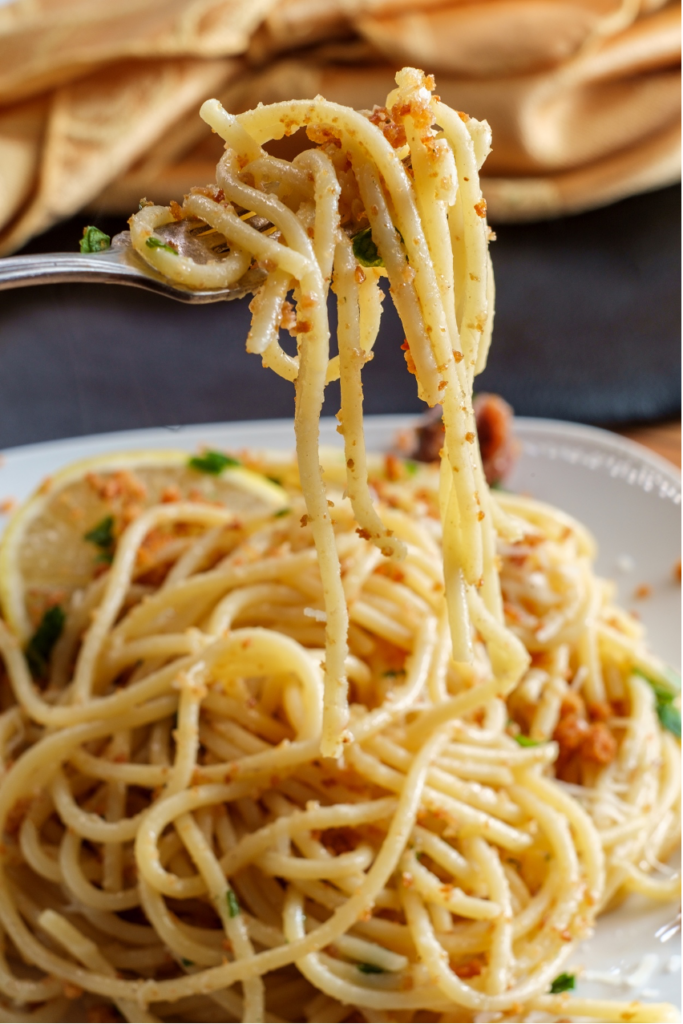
(98, 104)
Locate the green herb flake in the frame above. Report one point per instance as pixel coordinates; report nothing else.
(526, 741)
(212, 462)
(94, 240)
(274, 480)
(671, 686)
(670, 718)
(391, 673)
(563, 983)
(365, 250)
(668, 714)
(411, 467)
(370, 969)
(156, 243)
(102, 536)
(282, 512)
(234, 908)
(41, 644)
(186, 963)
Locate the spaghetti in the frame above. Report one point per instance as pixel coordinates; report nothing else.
(178, 841)
(416, 183)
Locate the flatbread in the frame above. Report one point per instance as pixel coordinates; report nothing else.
(582, 95)
(651, 164)
(22, 130)
(476, 37)
(490, 40)
(606, 99)
(562, 143)
(612, 94)
(44, 45)
(96, 127)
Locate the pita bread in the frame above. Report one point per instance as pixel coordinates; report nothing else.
(503, 37)
(582, 95)
(424, 31)
(650, 164)
(21, 137)
(49, 44)
(606, 98)
(97, 126)
(506, 37)
(598, 137)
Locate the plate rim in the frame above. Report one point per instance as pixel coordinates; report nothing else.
(523, 425)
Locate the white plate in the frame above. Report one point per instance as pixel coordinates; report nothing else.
(627, 496)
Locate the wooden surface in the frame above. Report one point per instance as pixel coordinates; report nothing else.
(663, 438)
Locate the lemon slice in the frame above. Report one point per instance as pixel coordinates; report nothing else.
(45, 555)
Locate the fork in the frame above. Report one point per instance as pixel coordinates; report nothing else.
(120, 264)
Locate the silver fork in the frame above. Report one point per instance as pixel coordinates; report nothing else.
(120, 264)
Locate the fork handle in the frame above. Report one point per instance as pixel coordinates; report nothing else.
(117, 265)
(58, 267)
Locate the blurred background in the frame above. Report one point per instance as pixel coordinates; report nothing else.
(98, 107)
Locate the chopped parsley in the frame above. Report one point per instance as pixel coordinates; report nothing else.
(526, 741)
(282, 512)
(365, 250)
(94, 240)
(186, 963)
(102, 536)
(411, 467)
(672, 683)
(234, 908)
(41, 644)
(391, 673)
(370, 969)
(156, 243)
(563, 983)
(670, 718)
(212, 462)
(667, 713)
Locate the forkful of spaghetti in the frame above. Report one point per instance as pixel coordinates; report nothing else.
(394, 193)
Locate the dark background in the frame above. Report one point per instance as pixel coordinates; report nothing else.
(587, 328)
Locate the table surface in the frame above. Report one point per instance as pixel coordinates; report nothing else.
(587, 329)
